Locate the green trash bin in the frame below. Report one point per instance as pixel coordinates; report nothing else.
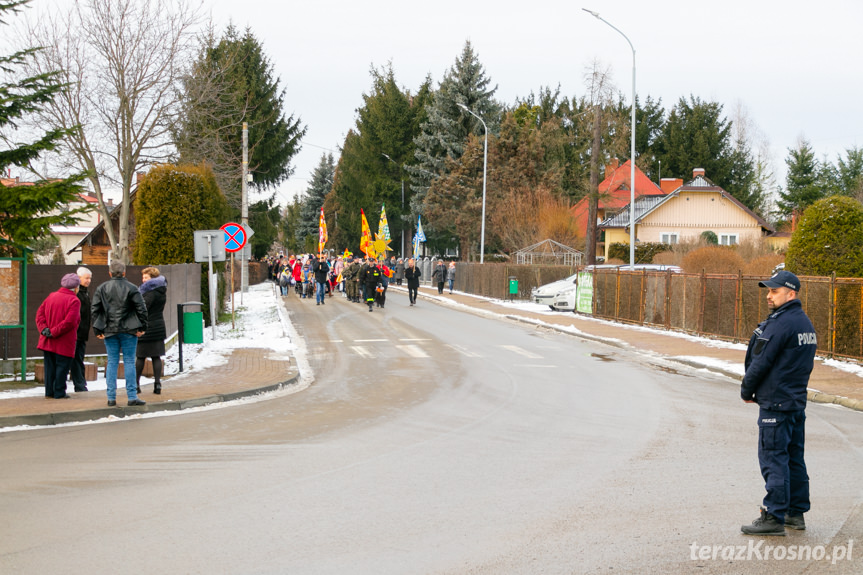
(513, 286)
(193, 327)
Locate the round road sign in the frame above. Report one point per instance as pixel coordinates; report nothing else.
(235, 237)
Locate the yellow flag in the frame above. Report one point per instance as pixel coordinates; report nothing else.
(366, 240)
(322, 232)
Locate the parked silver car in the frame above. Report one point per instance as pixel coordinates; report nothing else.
(544, 295)
(564, 300)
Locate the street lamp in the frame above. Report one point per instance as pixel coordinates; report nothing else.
(632, 146)
(484, 166)
(403, 204)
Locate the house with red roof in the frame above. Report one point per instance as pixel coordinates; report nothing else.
(685, 213)
(614, 192)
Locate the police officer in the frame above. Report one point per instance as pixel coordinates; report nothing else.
(779, 359)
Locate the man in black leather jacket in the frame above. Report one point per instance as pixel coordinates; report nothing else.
(119, 318)
(778, 362)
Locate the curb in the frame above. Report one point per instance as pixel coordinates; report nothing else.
(119, 412)
(813, 396)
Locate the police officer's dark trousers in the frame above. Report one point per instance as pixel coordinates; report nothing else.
(781, 437)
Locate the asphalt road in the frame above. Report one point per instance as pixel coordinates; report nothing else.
(432, 441)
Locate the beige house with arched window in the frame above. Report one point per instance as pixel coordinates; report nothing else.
(692, 209)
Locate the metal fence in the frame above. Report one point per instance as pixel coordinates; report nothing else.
(723, 306)
(729, 306)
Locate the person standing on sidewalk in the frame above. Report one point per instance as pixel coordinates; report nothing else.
(439, 276)
(57, 320)
(79, 378)
(412, 275)
(154, 290)
(450, 275)
(399, 271)
(778, 362)
(119, 319)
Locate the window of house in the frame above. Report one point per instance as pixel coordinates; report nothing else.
(669, 238)
(728, 239)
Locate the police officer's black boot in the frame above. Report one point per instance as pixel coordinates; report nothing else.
(795, 522)
(764, 525)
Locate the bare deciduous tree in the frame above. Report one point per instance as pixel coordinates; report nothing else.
(122, 60)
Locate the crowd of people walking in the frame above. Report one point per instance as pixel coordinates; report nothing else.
(360, 280)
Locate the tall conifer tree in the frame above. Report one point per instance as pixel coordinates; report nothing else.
(447, 126)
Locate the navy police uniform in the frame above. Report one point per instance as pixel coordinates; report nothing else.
(778, 362)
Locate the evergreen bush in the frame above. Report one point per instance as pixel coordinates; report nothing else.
(829, 239)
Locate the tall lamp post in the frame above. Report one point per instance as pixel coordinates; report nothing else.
(403, 203)
(484, 167)
(632, 146)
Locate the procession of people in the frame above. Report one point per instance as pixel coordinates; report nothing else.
(355, 278)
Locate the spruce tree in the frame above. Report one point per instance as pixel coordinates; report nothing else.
(851, 172)
(801, 183)
(447, 126)
(313, 199)
(232, 82)
(26, 211)
(697, 135)
(375, 158)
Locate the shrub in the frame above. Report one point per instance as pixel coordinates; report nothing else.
(828, 239)
(713, 260)
(644, 251)
(710, 237)
(751, 250)
(170, 204)
(668, 259)
(763, 265)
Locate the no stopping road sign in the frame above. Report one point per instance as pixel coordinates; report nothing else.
(235, 237)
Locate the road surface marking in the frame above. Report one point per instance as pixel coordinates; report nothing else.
(463, 351)
(412, 350)
(520, 351)
(362, 352)
(414, 339)
(369, 340)
(335, 341)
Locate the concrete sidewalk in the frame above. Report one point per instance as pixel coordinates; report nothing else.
(248, 371)
(826, 385)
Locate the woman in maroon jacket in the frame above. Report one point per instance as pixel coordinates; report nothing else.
(57, 321)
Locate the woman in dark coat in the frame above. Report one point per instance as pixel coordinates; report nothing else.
(152, 343)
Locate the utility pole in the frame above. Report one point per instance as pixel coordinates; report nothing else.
(244, 211)
(593, 195)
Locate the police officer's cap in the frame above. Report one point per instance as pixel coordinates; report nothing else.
(782, 279)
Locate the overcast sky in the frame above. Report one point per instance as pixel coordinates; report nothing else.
(793, 65)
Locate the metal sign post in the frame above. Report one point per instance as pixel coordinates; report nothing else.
(236, 238)
(209, 248)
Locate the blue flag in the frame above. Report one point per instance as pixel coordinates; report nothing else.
(420, 234)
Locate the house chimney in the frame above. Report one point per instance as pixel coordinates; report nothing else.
(697, 172)
(668, 185)
(138, 177)
(609, 168)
